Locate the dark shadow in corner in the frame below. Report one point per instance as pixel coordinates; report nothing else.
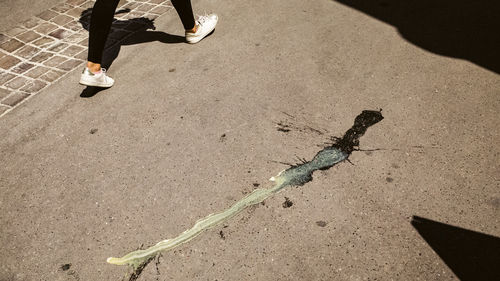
(470, 255)
(125, 32)
(465, 29)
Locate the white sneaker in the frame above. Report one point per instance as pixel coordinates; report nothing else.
(96, 80)
(206, 24)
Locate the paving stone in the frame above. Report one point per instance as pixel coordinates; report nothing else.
(45, 28)
(61, 19)
(160, 10)
(11, 45)
(75, 38)
(43, 42)
(123, 2)
(145, 7)
(15, 31)
(84, 43)
(74, 25)
(27, 52)
(28, 36)
(87, 4)
(52, 75)
(151, 16)
(4, 108)
(62, 8)
(47, 15)
(82, 56)
(54, 61)
(14, 99)
(157, 1)
(5, 77)
(34, 86)
(58, 47)
(23, 67)
(8, 62)
(135, 15)
(69, 64)
(37, 72)
(60, 33)
(3, 38)
(17, 83)
(75, 12)
(75, 2)
(72, 50)
(131, 5)
(4, 93)
(41, 57)
(31, 23)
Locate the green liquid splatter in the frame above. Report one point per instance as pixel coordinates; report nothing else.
(294, 176)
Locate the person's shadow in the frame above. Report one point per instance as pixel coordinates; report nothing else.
(469, 254)
(125, 32)
(464, 29)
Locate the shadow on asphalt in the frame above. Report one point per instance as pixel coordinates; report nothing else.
(91, 91)
(465, 29)
(123, 33)
(470, 255)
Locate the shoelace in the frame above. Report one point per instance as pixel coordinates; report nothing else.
(202, 19)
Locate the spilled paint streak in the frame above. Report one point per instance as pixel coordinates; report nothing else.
(296, 175)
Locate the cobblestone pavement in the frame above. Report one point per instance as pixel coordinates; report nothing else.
(44, 48)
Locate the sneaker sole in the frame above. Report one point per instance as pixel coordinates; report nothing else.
(199, 38)
(85, 83)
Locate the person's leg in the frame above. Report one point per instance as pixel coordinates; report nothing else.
(185, 11)
(100, 25)
(196, 30)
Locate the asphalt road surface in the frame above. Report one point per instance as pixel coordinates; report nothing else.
(190, 129)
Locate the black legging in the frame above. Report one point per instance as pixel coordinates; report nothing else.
(102, 17)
